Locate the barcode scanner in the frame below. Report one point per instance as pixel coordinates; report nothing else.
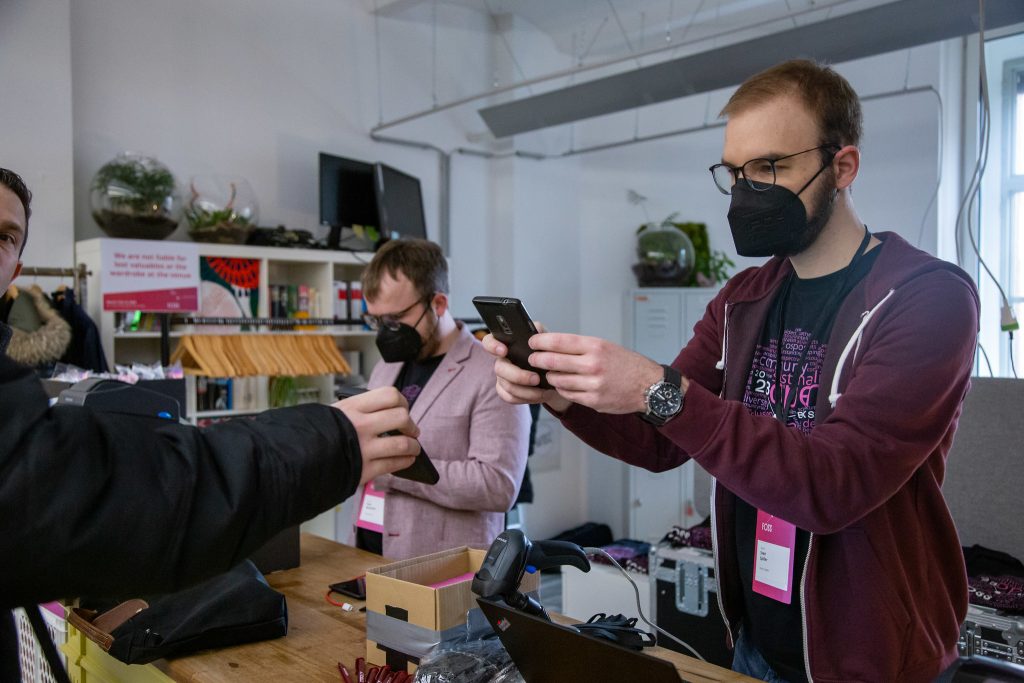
(510, 556)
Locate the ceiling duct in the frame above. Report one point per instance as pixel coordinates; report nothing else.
(894, 26)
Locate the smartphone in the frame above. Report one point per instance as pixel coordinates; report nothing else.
(354, 588)
(510, 324)
(421, 470)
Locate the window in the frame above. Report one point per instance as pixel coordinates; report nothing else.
(1000, 226)
(1014, 201)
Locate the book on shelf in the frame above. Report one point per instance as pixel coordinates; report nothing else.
(340, 300)
(214, 393)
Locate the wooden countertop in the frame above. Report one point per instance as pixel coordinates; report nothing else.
(320, 634)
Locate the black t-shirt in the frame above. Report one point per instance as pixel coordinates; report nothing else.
(774, 627)
(412, 378)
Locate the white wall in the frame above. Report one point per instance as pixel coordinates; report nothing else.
(35, 122)
(257, 88)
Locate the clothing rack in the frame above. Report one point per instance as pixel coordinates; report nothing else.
(166, 321)
(79, 272)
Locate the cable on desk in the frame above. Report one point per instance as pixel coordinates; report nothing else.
(636, 591)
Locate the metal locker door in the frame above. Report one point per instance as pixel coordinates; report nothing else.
(657, 323)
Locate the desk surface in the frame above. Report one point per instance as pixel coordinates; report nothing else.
(320, 634)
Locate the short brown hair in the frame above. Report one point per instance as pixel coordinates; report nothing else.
(828, 96)
(421, 261)
(13, 182)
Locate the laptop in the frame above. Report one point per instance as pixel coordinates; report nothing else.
(545, 652)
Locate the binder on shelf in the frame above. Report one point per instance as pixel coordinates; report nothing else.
(356, 305)
(340, 300)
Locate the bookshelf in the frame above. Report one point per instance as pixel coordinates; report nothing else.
(312, 269)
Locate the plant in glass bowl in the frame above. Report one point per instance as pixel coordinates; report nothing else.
(221, 209)
(134, 196)
(666, 255)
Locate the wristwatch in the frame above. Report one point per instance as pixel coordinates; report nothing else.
(664, 399)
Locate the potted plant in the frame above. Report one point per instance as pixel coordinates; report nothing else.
(134, 196)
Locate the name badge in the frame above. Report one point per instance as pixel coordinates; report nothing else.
(774, 548)
(371, 509)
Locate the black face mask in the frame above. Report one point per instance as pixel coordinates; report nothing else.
(773, 222)
(401, 345)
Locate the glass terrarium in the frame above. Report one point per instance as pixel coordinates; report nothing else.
(221, 209)
(134, 196)
(666, 256)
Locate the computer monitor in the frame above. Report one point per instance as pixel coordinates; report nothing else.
(347, 194)
(399, 203)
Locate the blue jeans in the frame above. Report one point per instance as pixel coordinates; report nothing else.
(747, 660)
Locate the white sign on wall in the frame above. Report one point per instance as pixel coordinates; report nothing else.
(152, 276)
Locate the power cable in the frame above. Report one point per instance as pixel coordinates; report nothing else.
(640, 609)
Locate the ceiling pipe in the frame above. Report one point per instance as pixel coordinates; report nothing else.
(894, 26)
(564, 73)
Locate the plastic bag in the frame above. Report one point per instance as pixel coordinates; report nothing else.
(468, 661)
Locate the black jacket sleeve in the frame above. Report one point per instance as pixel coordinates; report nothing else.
(108, 505)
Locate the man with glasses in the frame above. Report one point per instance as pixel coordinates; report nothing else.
(477, 442)
(821, 390)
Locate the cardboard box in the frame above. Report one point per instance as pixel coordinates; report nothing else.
(406, 617)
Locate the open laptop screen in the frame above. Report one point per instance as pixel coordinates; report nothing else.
(543, 651)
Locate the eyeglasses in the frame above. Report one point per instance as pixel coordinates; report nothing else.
(390, 321)
(759, 174)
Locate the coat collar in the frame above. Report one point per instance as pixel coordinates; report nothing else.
(451, 365)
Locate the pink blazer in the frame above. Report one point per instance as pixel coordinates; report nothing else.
(477, 442)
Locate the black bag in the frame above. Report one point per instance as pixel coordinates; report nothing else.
(230, 609)
(587, 534)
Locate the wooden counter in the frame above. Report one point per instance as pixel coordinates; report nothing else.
(320, 634)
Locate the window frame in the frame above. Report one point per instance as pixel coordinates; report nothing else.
(1011, 184)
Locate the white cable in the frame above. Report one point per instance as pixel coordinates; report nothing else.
(636, 591)
(966, 211)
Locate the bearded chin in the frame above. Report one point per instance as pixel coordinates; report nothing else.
(825, 201)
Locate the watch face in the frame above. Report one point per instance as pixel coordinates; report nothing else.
(665, 399)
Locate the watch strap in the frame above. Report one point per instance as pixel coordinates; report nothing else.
(673, 376)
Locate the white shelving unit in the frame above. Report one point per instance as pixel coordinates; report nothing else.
(312, 267)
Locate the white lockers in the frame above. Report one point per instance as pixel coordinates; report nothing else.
(659, 322)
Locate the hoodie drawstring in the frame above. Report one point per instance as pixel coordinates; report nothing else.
(720, 365)
(833, 396)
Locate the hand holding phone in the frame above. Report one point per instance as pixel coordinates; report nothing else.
(510, 324)
(421, 470)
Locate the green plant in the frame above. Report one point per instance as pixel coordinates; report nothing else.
(133, 187)
(718, 267)
(200, 218)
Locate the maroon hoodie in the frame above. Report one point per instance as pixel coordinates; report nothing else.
(884, 587)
